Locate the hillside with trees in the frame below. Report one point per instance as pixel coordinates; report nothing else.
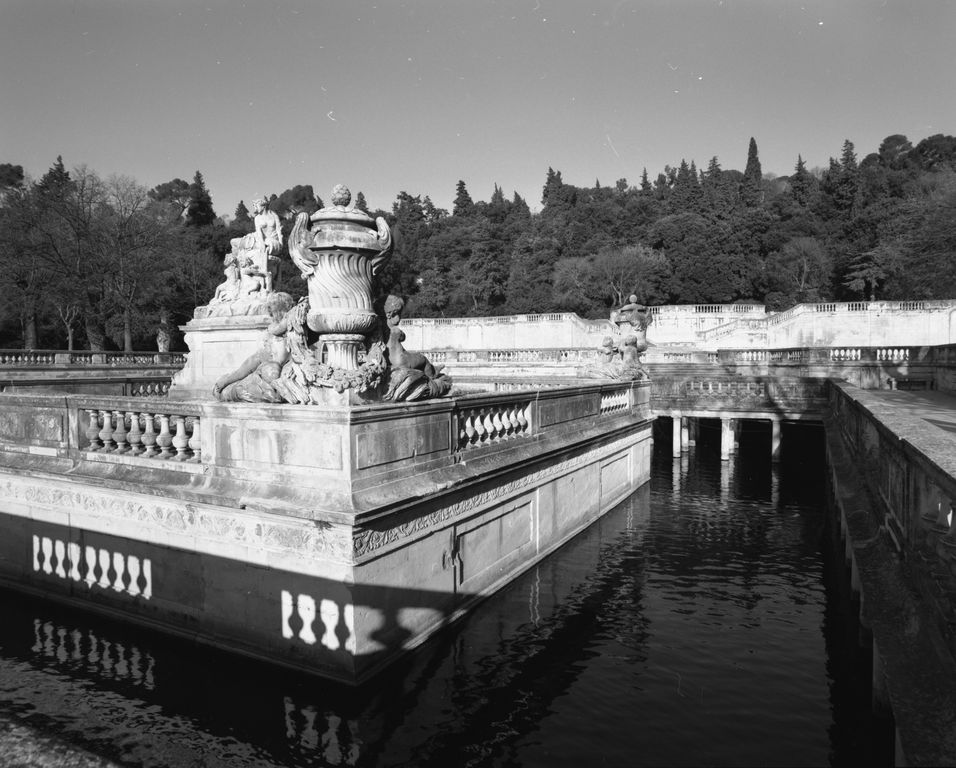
(103, 263)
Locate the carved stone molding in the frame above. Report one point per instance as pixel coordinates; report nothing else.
(206, 525)
(366, 541)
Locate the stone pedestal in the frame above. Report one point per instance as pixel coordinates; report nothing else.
(217, 345)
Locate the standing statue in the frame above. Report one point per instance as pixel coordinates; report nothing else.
(254, 255)
(249, 268)
(162, 331)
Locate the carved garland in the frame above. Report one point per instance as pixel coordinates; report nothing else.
(326, 542)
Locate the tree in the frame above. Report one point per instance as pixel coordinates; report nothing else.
(717, 195)
(707, 267)
(199, 210)
(463, 205)
(360, 203)
(799, 272)
(685, 193)
(801, 183)
(636, 269)
(750, 190)
(11, 176)
(868, 271)
(432, 213)
(56, 182)
(133, 246)
(242, 217)
(24, 278)
(301, 197)
(894, 151)
(173, 194)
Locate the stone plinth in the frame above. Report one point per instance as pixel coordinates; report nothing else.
(328, 539)
(217, 345)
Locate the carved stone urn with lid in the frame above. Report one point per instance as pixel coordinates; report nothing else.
(339, 249)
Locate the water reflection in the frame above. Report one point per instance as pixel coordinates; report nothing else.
(701, 622)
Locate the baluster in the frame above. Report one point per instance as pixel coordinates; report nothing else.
(489, 427)
(195, 442)
(106, 433)
(135, 436)
(119, 432)
(164, 440)
(468, 427)
(497, 425)
(93, 430)
(149, 437)
(480, 430)
(180, 441)
(509, 422)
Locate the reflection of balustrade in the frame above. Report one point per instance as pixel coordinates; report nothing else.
(95, 567)
(96, 655)
(493, 424)
(338, 740)
(144, 434)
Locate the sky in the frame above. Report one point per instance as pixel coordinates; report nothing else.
(388, 96)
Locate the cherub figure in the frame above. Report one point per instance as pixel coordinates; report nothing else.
(228, 289)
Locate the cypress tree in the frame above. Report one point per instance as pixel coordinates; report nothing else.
(750, 191)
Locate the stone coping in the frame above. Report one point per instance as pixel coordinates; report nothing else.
(924, 423)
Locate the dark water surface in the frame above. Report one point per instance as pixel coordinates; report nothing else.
(705, 621)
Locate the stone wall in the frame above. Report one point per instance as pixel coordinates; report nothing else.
(894, 486)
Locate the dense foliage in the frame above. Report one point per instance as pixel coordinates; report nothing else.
(107, 261)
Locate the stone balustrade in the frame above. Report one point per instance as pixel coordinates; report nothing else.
(193, 436)
(84, 358)
(496, 423)
(789, 397)
(157, 430)
(26, 357)
(825, 324)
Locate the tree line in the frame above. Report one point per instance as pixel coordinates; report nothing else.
(101, 263)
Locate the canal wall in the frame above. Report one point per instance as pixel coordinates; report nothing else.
(327, 539)
(894, 485)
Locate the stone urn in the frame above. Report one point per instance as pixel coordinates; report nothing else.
(339, 249)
